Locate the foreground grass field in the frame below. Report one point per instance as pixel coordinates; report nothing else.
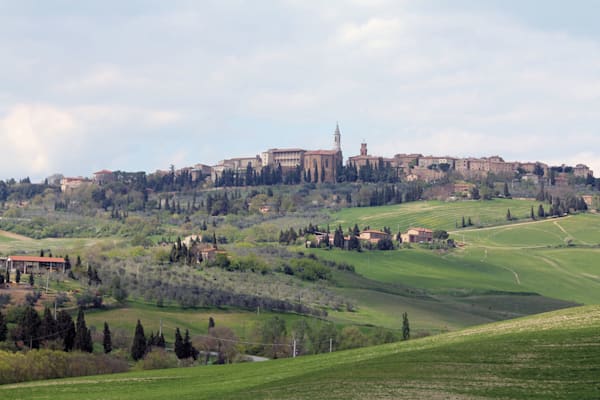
(554, 355)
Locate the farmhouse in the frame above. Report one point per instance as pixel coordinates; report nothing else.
(373, 236)
(209, 254)
(417, 235)
(33, 264)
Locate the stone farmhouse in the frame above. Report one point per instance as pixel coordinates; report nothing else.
(373, 236)
(417, 235)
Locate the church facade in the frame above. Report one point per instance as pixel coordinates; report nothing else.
(321, 166)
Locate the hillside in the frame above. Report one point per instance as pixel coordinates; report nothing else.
(553, 355)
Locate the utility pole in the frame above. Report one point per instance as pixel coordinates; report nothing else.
(47, 281)
(330, 345)
(294, 354)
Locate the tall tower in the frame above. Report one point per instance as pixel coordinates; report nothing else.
(363, 149)
(337, 137)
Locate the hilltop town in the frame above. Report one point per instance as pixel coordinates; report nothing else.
(297, 165)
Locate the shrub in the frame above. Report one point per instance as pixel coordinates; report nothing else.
(157, 359)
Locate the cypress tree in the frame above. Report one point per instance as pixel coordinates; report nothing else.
(405, 327)
(508, 216)
(107, 339)
(179, 348)
(541, 212)
(29, 328)
(66, 330)
(139, 347)
(3, 328)
(160, 341)
(188, 349)
(211, 323)
(49, 328)
(31, 280)
(83, 336)
(18, 277)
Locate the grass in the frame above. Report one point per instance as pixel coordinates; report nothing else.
(196, 320)
(434, 214)
(554, 355)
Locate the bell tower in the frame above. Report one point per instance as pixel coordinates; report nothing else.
(337, 137)
(363, 149)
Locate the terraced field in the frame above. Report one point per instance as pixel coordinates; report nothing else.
(554, 355)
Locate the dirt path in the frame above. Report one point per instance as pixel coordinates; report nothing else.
(506, 226)
(14, 236)
(514, 273)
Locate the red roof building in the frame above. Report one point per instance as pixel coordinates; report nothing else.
(35, 264)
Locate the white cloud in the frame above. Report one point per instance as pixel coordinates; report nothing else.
(35, 138)
(41, 138)
(450, 82)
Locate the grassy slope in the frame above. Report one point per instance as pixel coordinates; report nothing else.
(434, 214)
(196, 320)
(521, 257)
(554, 355)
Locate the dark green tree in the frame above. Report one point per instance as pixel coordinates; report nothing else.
(49, 327)
(188, 348)
(532, 214)
(508, 216)
(541, 213)
(66, 330)
(83, 336)
(28, 328)
(139, 346)
(18, 276)
(106, 339)
(405, 327)
(506, 192)
(179, 348)
(211, 323)
(160, 341)
(31, 279)
(3, 327)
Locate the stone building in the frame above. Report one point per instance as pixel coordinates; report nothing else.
(322, 165)
(364, 158)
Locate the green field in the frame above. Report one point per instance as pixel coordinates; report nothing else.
(434, 214)
(554, 355)
(241, 322)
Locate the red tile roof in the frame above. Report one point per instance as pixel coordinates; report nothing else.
(36, 259)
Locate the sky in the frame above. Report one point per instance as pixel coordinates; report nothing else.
(142, 85)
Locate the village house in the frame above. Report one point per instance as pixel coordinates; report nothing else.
(102, 177)
(235, 164)
(582, 171)
(70, 184)
(373, 236)
(417, 235)
(199, 171)
(364, 158)
(209, 254)
(32, 264)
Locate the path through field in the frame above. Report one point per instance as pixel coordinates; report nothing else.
(14, 235)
